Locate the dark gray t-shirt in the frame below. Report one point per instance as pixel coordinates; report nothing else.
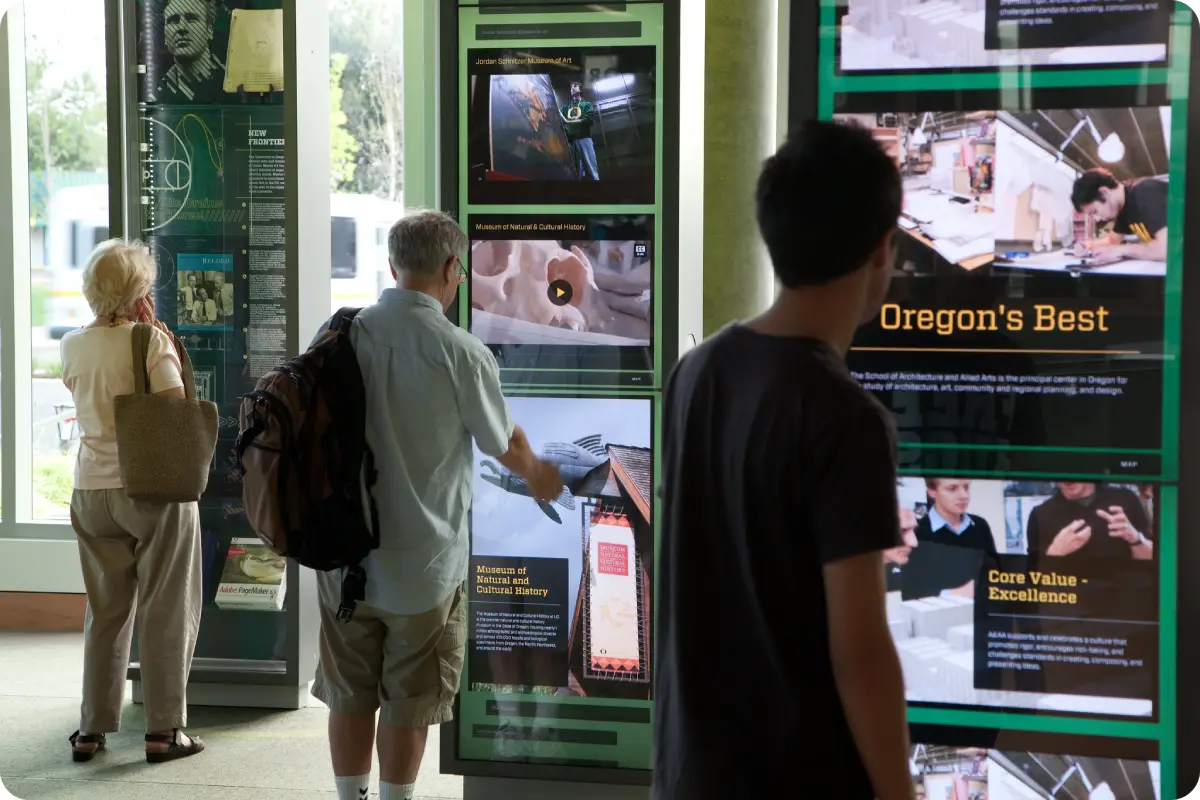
(775, 462)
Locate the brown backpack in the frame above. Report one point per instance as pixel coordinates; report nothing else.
(305, 463)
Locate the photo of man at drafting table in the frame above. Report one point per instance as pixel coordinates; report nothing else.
(1084, 190)
(1137, 210)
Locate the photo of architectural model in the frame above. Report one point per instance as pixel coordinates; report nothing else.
(949, 34)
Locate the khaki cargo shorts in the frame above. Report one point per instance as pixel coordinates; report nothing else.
(405, 667)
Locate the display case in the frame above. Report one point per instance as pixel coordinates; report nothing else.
(561, 138)
(208, 175)
(1036, 349)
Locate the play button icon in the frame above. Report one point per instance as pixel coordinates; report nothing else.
(560, 292)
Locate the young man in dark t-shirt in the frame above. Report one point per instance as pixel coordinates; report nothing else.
(1084, 520)
(775, 666)
(1136, 208)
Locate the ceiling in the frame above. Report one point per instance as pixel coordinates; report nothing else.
(1140, 129)
(938, 121)
(1129, 780)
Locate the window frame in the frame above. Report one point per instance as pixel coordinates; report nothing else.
(35, 556)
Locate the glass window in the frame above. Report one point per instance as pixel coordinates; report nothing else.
(68, 203)
(344, 255)
(366, 169)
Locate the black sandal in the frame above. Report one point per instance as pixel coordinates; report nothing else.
(78, 755)
(175, 747)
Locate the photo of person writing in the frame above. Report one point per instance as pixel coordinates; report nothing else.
(578, 117)
(951, 544)
(1134, 207)
(1084, 188)
(1088, 520)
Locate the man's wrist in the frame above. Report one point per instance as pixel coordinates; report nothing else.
(1138, 540)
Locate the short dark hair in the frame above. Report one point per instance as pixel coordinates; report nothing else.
(825, 200)
(1088, 185)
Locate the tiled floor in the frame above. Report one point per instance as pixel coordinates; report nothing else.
(251, 753)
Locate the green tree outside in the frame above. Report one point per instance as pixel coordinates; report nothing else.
(367, 33)
(343, 147)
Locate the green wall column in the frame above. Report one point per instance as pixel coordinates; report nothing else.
(740, 111)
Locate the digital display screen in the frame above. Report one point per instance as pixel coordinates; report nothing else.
(552, 125)
(1026, 322)
(560, 593)
(559, 187)
(1033, 595)
(922, 35)
(564, 292)
(1029, 350)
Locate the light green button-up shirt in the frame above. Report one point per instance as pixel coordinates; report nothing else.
(431, 388)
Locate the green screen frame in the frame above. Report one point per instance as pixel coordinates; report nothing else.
(627, 762)
(1176, 78)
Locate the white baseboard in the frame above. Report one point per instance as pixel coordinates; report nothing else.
(40, 565)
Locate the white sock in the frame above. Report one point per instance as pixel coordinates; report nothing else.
(353, 787)
(394, 791)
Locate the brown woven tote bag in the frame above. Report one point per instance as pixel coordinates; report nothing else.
(165, 444)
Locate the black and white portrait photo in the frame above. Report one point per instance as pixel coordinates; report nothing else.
(184, 52)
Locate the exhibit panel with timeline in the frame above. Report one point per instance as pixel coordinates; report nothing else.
(208, 194)
(561, 176)
(1032, 350)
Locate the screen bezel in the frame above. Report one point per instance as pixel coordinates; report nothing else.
(667, 343)
(804, 101)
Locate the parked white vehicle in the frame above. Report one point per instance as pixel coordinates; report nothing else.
(77, 220)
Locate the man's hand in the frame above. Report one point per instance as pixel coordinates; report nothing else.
(1119, 526)
(545, 484)
(1070, 539)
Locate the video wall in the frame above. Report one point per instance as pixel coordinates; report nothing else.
(561, 193)
(1029, 350)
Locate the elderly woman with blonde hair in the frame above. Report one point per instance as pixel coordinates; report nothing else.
(140, 560)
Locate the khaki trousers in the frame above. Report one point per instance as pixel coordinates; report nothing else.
(143, 558)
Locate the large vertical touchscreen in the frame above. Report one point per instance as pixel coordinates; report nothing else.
(1029, 349)
(560, 188)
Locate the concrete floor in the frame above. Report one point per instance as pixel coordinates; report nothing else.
(250, 755)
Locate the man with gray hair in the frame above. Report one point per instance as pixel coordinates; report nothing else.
(431, 389)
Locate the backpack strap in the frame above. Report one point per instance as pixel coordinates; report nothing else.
(354, 585)
(340, 323)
